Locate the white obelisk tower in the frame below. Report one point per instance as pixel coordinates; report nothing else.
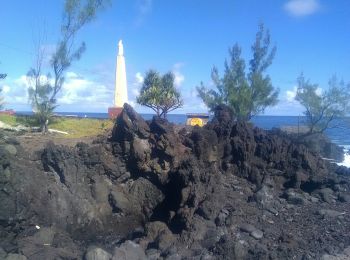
(121, 93)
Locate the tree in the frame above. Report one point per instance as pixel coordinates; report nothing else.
(43, 88)
(248, 94)
(159, 93)
(322, 109)
(2, 102)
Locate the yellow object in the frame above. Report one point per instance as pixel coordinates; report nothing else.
(196, 121)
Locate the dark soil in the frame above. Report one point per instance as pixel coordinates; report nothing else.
(155, 191)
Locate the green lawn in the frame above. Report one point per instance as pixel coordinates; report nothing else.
(7, 119)
(81, 127)
(76, 127)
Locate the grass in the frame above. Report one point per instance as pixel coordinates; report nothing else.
(8, 119)
(81, 127)
(76, 127)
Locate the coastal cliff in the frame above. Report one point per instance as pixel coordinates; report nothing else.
(154, 190)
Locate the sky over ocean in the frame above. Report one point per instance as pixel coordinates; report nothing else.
(186, 37)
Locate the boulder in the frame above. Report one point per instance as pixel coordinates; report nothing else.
(129, 251)
(118, 201)
(48, 243)
(15, 257)
(264, 196)
(257, 234)
(253, 231)
(295, 198)
(344, 197)
(327, 195)
(330, 213)
(129, 124)
(44, 236)
(159, 235)
(247, 228)
(96, 253)
(145, 196)
(11, 149)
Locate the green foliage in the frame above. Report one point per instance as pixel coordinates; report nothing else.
(248, 94)
(43, 93)
(40, 95)
(2, 102)
(159, 93)
(321, 109)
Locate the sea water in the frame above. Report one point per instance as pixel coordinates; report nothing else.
(339, 135)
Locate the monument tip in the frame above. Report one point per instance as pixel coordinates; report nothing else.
(120, 48)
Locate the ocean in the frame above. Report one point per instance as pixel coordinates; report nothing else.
(340, 135)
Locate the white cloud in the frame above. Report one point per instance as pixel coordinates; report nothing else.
(136, 85)
(133, 104)
(77, 94)
(15, 91)
(6, 89)
(71, 74)
(79, 90)
(290, 94)
(179, 77)
(287, 104)
(139, 78)
(22, 81)
(193, 93)
(302, 7)
(135, 91)
(319, 91)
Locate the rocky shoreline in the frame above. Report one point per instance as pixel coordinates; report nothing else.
(155, 191)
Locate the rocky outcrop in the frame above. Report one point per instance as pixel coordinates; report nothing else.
(320, 143)
(155, 191)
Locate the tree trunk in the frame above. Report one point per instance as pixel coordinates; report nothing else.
(45, 127)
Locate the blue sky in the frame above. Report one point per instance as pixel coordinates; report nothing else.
(186, 37)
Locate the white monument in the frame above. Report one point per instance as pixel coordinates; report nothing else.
(121, 92)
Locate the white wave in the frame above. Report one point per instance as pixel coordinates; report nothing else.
(346, 161)
(346, 147)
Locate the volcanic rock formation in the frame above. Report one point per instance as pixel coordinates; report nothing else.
(154, 190)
